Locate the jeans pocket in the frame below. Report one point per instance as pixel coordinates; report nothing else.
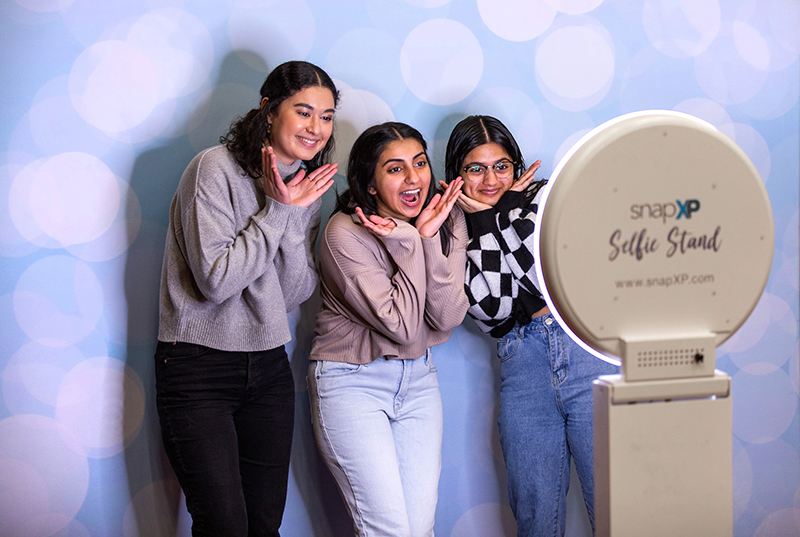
(326, 368)
(507, 346)
(429, 360)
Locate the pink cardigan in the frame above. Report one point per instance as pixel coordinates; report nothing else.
(391, 296)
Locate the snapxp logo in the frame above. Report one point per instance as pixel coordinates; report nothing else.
(664, 211)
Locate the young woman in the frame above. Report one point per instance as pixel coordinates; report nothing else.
(238, 256)
(392, 285)
(546, 378)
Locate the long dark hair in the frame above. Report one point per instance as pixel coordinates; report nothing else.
(247, 133)
(363, 163)
(474, 131)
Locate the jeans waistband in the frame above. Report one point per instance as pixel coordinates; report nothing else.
(542, 322)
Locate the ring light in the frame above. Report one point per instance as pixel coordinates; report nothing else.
(654, 226)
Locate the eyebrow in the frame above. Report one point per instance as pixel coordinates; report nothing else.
(482, 164)
(304, 105)
(401, 160)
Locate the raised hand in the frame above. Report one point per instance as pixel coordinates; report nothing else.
(305, 190)
(433, 216)
(302, 190)
(526, 178)
(467, 204)
(273, 184)
(376, 224)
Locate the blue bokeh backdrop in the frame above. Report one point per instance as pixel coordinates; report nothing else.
(104, 104)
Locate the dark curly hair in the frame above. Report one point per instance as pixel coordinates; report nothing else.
(474, 131)
(247, 133)
(363, 163)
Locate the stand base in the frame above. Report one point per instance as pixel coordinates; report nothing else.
(663, 467)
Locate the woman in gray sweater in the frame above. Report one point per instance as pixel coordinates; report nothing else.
(238, 257)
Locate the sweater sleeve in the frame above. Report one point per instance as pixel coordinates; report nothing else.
(387, 299)
(294, 261)
(445, 300)
(223, 260)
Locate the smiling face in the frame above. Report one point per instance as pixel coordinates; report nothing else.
(490, 188)
(402, 179)
(302, 124)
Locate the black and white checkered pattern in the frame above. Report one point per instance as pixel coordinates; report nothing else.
(499, 264)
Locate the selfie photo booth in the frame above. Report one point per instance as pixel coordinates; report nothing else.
(654, 245)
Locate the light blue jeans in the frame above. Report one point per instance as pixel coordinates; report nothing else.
(379, 430)
(546, 417)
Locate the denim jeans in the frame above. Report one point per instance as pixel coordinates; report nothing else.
(379, 429)
(546, 418)
(226, 423)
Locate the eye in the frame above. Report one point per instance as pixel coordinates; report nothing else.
(303, 113)
(503, 165)
(421, 163)
(394, 169)
(327, 118)
(473, 169)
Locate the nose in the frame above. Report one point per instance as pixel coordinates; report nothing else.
(490, 177)
(313, 125)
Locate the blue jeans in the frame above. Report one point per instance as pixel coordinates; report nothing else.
(226, 423)
(546, 418)
(379, 429)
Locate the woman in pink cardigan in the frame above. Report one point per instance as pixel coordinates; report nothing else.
(392, 273)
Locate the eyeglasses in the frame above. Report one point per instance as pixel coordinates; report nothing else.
(503, 169)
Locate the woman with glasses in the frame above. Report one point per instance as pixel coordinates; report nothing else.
(392, 286)
(238, 257)
(546, 378)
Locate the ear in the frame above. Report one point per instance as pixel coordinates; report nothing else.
(264, 101)
(371, 190)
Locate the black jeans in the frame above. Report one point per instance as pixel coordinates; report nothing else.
(226, 421)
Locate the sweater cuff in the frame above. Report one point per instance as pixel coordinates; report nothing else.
(432, 248)
(276, 214)
(511, 199)
(482, 222)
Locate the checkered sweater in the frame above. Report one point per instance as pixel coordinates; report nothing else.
(501, 279)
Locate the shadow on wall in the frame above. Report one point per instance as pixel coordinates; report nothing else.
(157, 508)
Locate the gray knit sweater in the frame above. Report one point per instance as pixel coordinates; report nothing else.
(235, 261)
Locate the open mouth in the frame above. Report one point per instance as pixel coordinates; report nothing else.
(410, 197)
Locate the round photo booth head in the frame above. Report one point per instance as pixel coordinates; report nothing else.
(654, 242)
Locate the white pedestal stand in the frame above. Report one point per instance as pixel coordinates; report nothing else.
(663, 463)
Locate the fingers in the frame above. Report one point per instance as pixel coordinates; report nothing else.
(527, 177)
(323, 172)
(470, 205)
(323, 187)
(535, 166)
(376, 224)
(305, 190)
(362, 216)
(298, 177)
(531, 171)
(273, 161)
(434, 201)
(461, 203)
(452, 193)
(264, 160)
